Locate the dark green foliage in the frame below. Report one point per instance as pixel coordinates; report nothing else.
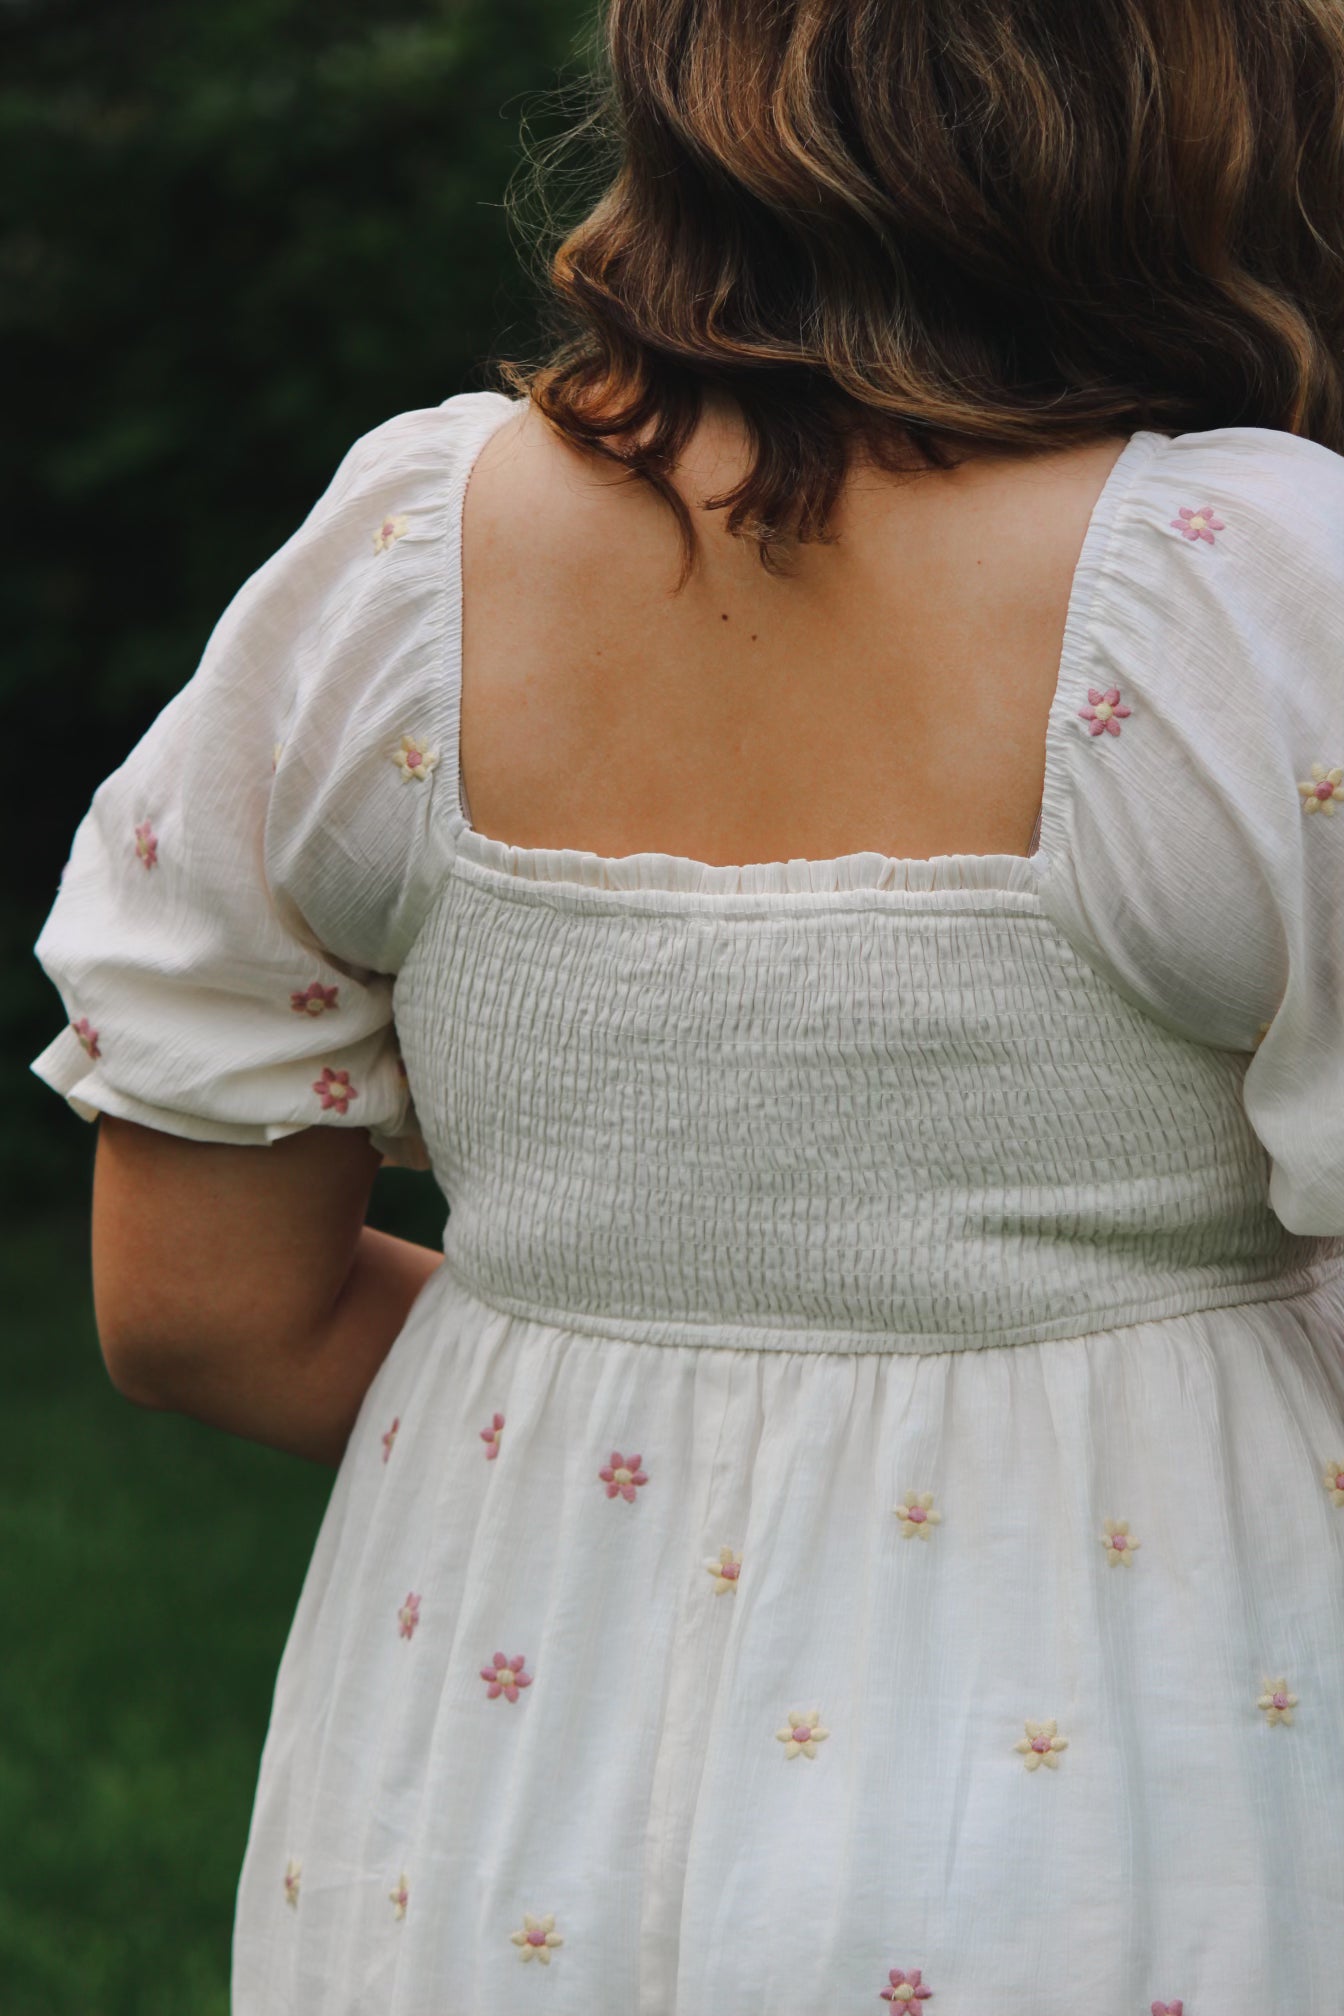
(149, 1568)
(232, 239)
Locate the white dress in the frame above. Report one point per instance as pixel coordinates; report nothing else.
(891, 1338)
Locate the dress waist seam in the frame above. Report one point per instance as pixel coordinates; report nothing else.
(715, 1333)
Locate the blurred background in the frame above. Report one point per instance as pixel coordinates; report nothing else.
(232, 239)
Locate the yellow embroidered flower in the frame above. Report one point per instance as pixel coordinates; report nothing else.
(1320, 794)
(802, 1733)
(400, 1896)
(293, 1871)
(1276, 1701)
(1117, 1542)
(413, 759)
(390, 530)
(725, 1570)
(915, 1515)
(1334, 1482)
(1040, 1745)
(537, 1938)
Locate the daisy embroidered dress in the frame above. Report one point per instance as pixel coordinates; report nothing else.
(859, 1514)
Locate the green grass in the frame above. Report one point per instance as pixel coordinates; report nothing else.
(149, 1568)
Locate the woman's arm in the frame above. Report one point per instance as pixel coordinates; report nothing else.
(241, 1285)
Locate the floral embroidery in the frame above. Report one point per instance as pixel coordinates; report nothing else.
(1321, 793)
(1118, 1544)
(390, 1438)
(916, 1516)
(87, 1035)
(490, 1436)
(725, 1570)
(506, 1676)
(1105, 712)
(1334, 1482)
(1167, 2008)
(1040, 1745)
(802, 1733)
(537, 1938)
(147, 844)
(408, 1616)
(1276, 1701)
(413, 759)
(391, 529)
(1194, 525)
(905, 1989)
(622, 1475)
(334, 1089)
(401, 1896)
(293, 1871)
(314, 999)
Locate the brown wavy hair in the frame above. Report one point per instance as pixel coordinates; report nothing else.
(930, 228)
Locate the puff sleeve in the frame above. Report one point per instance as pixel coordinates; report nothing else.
(1195, 845)
(242, 891)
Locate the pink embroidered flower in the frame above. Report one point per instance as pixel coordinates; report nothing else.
(390, 1438)
(490, 1436)
(1105, 712)
(916, 1515)
(905, 1989)
(725, 1570)
(506, 1676)
(1041, 1745)
(802, 1733)
(1167, 2008)
(1334, 1482)
(87, 1035)
(1118, 1543)
(408, 1616)
(537, 1938)
(413, 759)
(621, 1476)
(335, 1089)
(1198, 524)
(314, 999)
(391, 529)
(1277, 1702)
(1324, 791)
(401, 1896)
(293, 1871)
(146, 844)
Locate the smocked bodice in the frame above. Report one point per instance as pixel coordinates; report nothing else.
(864, 1118)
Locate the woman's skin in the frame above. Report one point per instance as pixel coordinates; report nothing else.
(242, 1286)
(891, 695)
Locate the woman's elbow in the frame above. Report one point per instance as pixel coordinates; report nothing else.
(132, 1371)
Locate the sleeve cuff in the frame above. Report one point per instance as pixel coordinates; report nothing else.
(67, 1068)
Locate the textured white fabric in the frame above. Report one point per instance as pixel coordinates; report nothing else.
(1008, 1189)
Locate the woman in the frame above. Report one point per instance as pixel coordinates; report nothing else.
(828, 849)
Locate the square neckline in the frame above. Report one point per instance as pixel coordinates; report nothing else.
(653, 873)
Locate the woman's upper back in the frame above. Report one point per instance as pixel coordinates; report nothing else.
(289, 837)
(891, 695)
